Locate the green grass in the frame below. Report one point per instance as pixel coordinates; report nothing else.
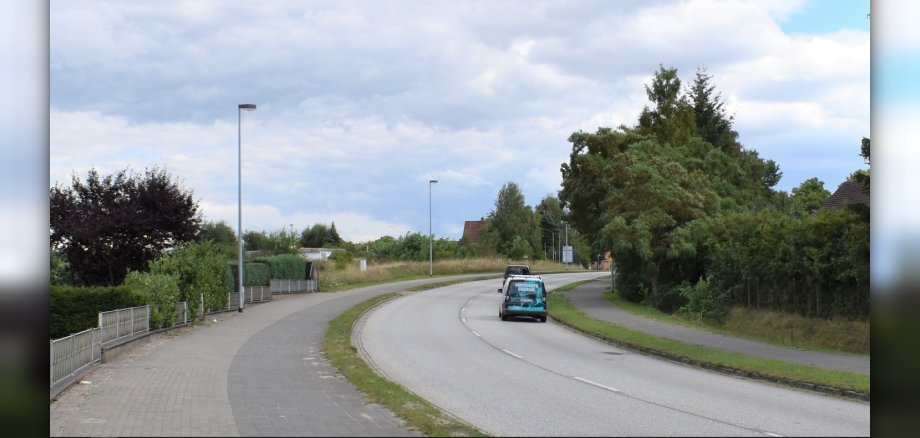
(772, 327)
(782, 372)
(350, 277)
(417, 412)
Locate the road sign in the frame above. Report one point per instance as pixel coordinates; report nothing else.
(566, 254)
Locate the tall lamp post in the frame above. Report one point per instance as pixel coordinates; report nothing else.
(239, 173)
(430, 235)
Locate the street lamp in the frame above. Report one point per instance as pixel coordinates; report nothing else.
(430, 235)
(239, 173)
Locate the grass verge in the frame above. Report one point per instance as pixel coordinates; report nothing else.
(772, 327)
(417, 412)
(842, 383)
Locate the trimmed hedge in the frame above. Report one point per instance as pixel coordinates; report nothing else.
(284, 266)
(74, 309)
(254, 274)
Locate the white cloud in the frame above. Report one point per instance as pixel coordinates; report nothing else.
(359, 104)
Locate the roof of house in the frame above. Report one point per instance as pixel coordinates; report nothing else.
(849, 192)
(471, 230)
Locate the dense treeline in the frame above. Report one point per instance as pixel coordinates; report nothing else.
(694, 223)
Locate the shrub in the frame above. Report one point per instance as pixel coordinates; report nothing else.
(200, 270)
(161, 291)
(703, 301)
(74, 309)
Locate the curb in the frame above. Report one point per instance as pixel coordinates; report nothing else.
(840, 392)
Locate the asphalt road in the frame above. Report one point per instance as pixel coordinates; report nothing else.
(524, 378)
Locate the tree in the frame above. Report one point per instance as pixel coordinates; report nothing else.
(651, 200)
(256, 241)
(218, 233)
(862, 176)
(512, 217)
(109, 225)
(221, 235)
(712, 122)
(549, 218)
(810, 195)
(332, 236)
(314, 237)
(671, 121)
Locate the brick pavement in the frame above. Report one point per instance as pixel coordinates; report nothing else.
(256, 373)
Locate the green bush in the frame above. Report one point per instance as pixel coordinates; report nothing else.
(342, 259)
(201, 271)
(161, 291)
(703, 301)
(74, 309)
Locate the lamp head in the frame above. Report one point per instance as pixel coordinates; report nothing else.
(434, 181)
(248, 106)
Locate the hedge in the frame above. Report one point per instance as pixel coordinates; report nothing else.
(254, 274)
(284, 266)
(74, 309)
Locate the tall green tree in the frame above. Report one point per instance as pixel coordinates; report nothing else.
(712, 121)
(672, 118)
(512, 217)
(108, 225)
(651, 201)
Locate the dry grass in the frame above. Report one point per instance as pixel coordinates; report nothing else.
(332, 279)
(795, 330)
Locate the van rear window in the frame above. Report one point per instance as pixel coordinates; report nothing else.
(525, 288)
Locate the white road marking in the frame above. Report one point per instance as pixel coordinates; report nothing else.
(477, 334)
(595, 384)
(463, 319)
(463, 310)
(773, 434)
(515, 355)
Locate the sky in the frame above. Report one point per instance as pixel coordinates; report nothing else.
(360, 104)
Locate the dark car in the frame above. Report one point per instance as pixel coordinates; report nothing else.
(516, 270)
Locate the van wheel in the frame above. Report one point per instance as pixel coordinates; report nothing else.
(542, 319)
(504, 317)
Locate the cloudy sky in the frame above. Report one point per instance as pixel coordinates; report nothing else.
(360, 104)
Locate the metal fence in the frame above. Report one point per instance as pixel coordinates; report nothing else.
(124, 322)
(74, 353)
(292, 286)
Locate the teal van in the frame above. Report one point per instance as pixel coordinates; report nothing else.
(523, 295)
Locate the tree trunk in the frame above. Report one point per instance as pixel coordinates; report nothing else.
(655, 290)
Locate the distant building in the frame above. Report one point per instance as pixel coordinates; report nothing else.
(471, 230)
(849, 192)
(316, 253)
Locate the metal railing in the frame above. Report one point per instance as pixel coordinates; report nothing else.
(74, 353)
(292, 286)
(124, 322)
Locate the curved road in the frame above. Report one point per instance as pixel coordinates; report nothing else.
(526, 378)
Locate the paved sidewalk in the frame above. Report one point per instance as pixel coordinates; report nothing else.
(589, 298)
(256, 373)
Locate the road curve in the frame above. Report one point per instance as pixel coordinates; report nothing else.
(524, 378)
